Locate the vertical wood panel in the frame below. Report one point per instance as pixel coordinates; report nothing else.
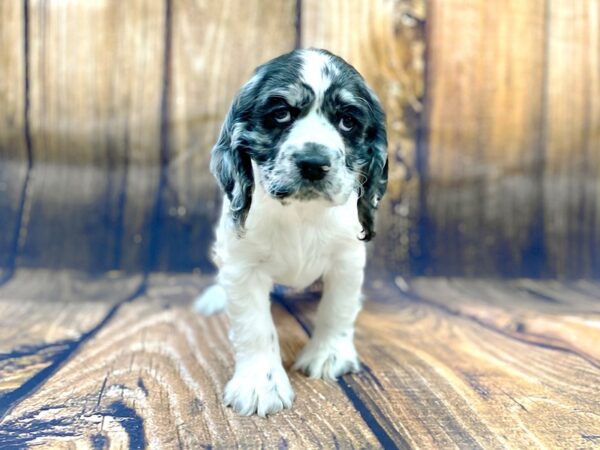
(215, 48)
(384, 40)
(12, 81)
(485, 88)
(96, 73)
(13, 150)
(572, 169)
(509, 166)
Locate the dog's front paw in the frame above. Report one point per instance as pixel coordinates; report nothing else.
(260, 389)
(328, 358)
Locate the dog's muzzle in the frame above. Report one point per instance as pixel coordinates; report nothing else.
(311, 171)
(313, 162)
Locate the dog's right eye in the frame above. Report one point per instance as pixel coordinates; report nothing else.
(347, 122)
(282, 116)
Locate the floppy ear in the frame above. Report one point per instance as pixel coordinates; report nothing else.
(375, 168)
(231, 164)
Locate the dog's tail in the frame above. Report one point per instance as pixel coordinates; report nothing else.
(211, 301)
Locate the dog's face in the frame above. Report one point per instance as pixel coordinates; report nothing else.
(307, 128)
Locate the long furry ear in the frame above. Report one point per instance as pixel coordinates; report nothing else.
(376, 171)
(230, 162)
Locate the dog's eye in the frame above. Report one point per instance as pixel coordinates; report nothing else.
(347, 123)
(282, 116)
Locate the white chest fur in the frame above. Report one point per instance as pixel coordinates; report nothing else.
(295, 243)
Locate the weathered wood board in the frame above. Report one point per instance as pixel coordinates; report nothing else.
(483, 210)
(492, 107)
(513, 120)
(214, 49)
(463, 364)
(120, 146)
(95, 130)
(12, 82)
(153, 378)
(385, 42)
(572, 168)
(447, 363)
(543, 313)
(45, 316)
(13, 141)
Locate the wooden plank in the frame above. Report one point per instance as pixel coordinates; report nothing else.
(436, 377)
(49, 286)
(96, 84)
(13, 188)
(96, 77)
(385, 41)
(486, 66)
(44, 317)
(589, 287)
(12, 81)
(215, 48)
(578, 296)
(572, 167)
(13, 148)
(35, 335)
(542, 313)
(153, 378)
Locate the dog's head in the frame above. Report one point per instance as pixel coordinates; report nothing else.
(306, 127)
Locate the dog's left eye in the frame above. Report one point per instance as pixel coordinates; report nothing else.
(282, 116)
(346, 123)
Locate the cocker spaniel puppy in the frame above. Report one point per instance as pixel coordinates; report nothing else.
(302, 160)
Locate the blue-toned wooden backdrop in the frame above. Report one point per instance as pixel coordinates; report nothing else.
(108, 111)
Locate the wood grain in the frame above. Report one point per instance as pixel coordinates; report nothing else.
(543, 313)
(485, 141)
(572, 167)
(13, 147)
(437, 375)
(447, 363)
(153, 377)
(44, 322)
(12, 81)
(126, 100)
(215, 48)
(493, 106)
(96, 78)
(385, 41)
(44, 331)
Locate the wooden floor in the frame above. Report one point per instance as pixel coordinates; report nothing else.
(122, 362)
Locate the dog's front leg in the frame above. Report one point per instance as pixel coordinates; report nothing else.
(259, 384)
(330, 353)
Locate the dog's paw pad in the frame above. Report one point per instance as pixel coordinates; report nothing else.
(211, 301)
(328, 359)
(259, 390)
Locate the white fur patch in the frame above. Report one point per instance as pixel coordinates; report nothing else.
(317, 129)
(262, 387)
(293, 243)
(312, 74)
(328, 358)
(211, 301)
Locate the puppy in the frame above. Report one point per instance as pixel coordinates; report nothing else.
(302, 160)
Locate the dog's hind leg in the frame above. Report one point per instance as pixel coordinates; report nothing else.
(211, 301)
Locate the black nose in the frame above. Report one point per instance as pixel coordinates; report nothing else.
(313, 166)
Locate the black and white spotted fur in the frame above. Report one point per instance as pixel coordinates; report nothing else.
(302, 160)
